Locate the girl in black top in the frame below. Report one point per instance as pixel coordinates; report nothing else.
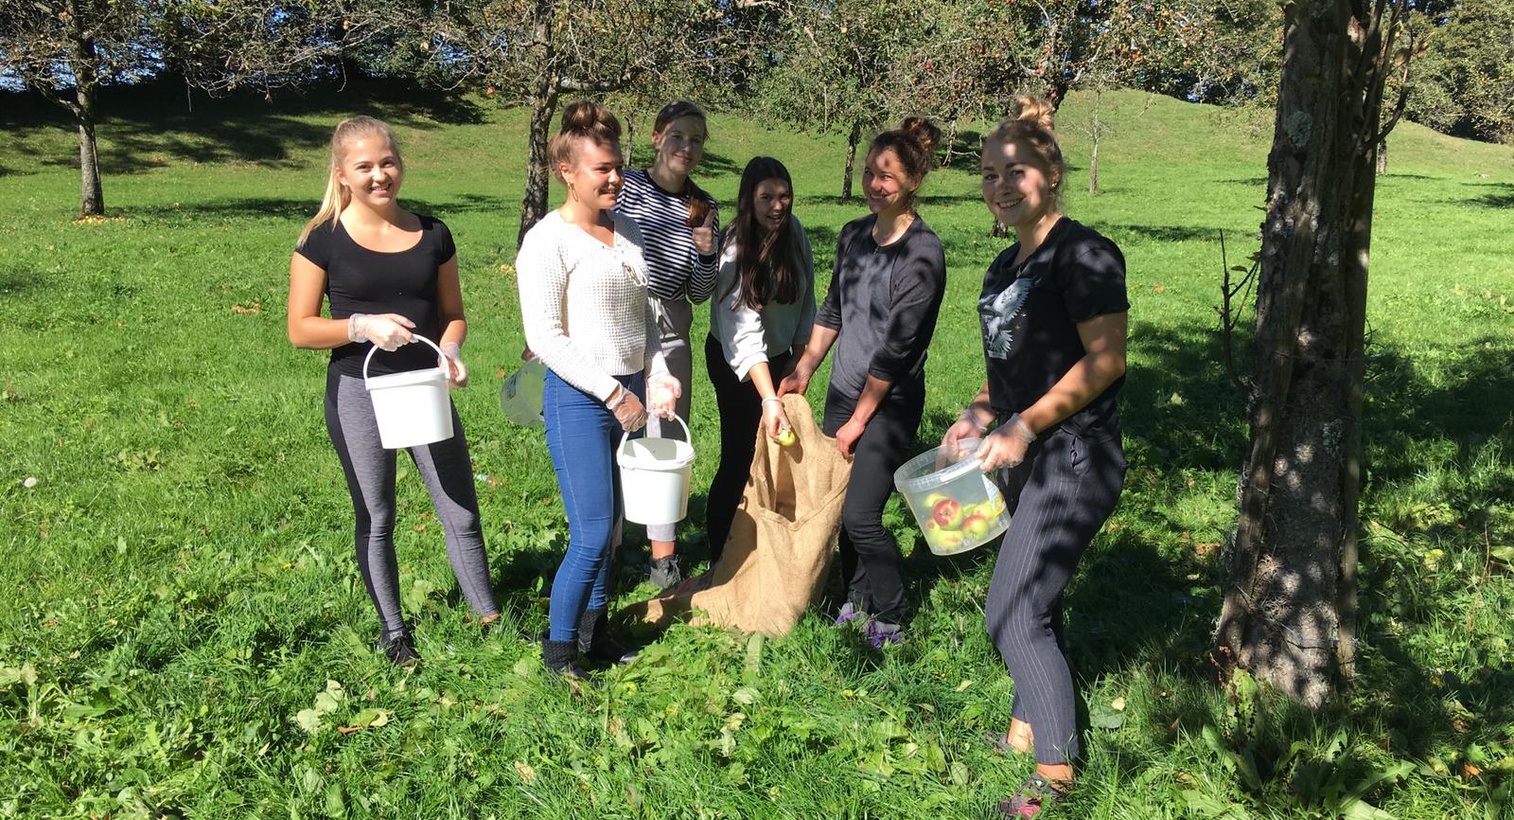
(880, 313)
(389, 275)
(1053, 314)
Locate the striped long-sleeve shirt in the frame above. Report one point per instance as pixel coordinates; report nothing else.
(677, 274)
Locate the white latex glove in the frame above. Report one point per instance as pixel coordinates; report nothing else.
(663, 391)
(774, 420)
(387, 331)
(1006, 446)
(457, 372)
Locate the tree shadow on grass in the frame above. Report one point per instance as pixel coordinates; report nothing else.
(145, 126)
(1169, 233)
(1495, 195)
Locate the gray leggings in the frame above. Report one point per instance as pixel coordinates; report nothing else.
(447, 473)
(1059, 496)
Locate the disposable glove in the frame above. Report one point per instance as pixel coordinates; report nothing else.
(387, 331)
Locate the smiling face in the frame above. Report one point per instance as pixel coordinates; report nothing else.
(889, 187)
(371, 171)
(595, 177)
(772, 202)
(680, 145)
(1015, 188)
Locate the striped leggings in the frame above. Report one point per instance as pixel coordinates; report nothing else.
(1060, 497)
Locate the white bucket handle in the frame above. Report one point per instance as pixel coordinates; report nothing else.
(375, 349)
(687, 436)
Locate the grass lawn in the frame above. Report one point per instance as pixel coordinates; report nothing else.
(183, 631)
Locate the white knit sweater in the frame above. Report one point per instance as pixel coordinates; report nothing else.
(584, 304)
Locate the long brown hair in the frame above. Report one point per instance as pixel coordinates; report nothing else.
(767, 266)
(337, 197)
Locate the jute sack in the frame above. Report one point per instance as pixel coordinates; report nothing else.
(775, 560)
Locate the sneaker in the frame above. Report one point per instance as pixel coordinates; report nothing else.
(882, 633)
(401, 651)
(664, 572)
(849, 612)
(1033, 795)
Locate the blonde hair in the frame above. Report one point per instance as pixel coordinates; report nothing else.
(1031, 128)
(584, 119)
(337, 196)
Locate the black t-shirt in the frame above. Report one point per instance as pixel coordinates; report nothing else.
(359, 280)
(884, 301)
(1029, 316)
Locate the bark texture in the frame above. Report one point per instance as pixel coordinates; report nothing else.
(1290, 609)
(851, 160)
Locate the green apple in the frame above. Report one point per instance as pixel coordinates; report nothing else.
(786, 437)
(975, 526)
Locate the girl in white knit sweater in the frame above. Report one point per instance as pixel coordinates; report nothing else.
(583, 296)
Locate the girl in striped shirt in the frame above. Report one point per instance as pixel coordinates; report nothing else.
(678, 223)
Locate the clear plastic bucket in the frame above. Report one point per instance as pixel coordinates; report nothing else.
(654, 477)
(413, 407)
(957, 507)
(521, 394)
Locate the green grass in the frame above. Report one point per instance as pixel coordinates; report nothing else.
(180, 593)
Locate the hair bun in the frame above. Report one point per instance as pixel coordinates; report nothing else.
(1037, 111)
(922, 130)
(588, 118)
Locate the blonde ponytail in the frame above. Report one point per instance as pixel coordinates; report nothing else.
(337, 197)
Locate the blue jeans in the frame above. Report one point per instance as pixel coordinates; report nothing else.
(581, 437)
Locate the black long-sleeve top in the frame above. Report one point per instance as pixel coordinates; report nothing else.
(883, 302)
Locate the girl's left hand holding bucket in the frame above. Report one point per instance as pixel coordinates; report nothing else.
(663, 391)
(1006, 446)
(457, 372)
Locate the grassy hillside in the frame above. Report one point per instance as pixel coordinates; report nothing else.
(182, 600)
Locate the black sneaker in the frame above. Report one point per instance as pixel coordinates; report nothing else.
(401, 651)
(664, 573)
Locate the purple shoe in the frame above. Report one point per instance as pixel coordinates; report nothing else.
(882, 633)
(1033, 795)
(849, 612)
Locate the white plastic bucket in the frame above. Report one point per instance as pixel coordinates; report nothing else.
(412, 408)
(957, 506)
(654, 477)
(521, 394)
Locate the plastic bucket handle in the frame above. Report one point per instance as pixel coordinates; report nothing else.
(687, 436)
(376, 348)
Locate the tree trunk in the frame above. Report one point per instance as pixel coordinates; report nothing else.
(1382, 158)
(630, 143)
(91, 195)
(533, 206)
(1095, 131)
(851, 160)
(538, 176)
(1290, 609)
(86, 83)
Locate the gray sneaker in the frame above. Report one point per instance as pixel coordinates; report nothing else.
(664, 573)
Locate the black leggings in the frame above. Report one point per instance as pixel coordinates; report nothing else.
(740, 408)
(1059, 498)
(870, 561)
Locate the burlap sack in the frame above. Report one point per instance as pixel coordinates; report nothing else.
(775, 560)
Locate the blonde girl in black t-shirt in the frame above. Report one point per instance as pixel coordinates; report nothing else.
(1053, 313)
(389, 275)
